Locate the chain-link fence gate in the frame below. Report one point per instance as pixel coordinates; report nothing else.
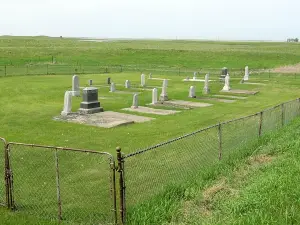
(63, 183)
(3, 194)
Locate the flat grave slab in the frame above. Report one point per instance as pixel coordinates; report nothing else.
(183, 104)
(237, 91)
(153, 78)
(142, 109)
(197, 80)
(255, 83)
(230, 96)
(216, 99)
(106, 119)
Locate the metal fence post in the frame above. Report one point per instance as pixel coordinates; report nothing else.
(282, 114)
(260, 123)
(8, 179)
(121, 184)
(4, 70)
(59, 213)
(47, 68)
(220, 140)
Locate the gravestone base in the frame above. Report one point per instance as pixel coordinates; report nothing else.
(90, 107)
(163, 98)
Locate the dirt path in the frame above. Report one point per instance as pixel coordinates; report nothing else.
(288, 69)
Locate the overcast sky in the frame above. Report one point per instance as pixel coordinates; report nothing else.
(182, 19)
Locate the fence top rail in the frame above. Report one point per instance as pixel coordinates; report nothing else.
(61, 148)
(168, 142)
(203, 129)
(3, 140)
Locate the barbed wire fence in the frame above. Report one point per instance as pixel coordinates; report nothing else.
(164, 171)
(61, 69)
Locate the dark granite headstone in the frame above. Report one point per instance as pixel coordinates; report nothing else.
(90, 103)
(108, 80)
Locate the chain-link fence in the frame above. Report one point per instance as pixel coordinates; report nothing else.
(158, 172)
(65, 184)
(2, 172)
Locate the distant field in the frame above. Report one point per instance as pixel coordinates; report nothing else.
(148, 54)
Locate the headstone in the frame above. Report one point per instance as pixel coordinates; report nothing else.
(75, 86)
(195, 76)
(246, 77)
(165, 82)
(90, 82)
(227, 85)
(112, 87)
(150, 76)
(192, 93)
(143, 81)
(135, 102)
(224, 72)
(90, 103)
(206, 89)
(67, 104)
(164, 95)
(187, 78)
(108, 80)
(154, 96)
(127, 84)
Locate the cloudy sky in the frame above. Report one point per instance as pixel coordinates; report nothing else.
(168, 19)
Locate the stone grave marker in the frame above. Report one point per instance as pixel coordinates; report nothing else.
(246, 77)
(90, 103)
(150, 76)
(206, 89)
(154, 96)
(143, 81)
(227, 85)
(75, 86)
(127, 84)
(112, 87)
(108, 80)
(192, 92)
(164, 95)
(90, 82)
(135, 102)
(195, 76)
(67, 104)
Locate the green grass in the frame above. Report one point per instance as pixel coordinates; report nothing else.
(29, 103)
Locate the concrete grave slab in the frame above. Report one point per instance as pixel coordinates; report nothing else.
(158, 79)
(255, 83)
(230, 96)
(183, 104)
(236, 91)
(106, 119)
(217, 99)
(197, 80)
(142, 109)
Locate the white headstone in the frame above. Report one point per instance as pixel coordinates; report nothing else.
(90, 82)
(165, 83)
(246, 77)
(143, 81)
(192, 92)
(135, 101)
(154, 96)
(127, 84)
(206, 89)
(75, 86)
(164, 95)
(67, 103)
(112, 87)
(227, 85)
(195, 76)
(150, 76)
